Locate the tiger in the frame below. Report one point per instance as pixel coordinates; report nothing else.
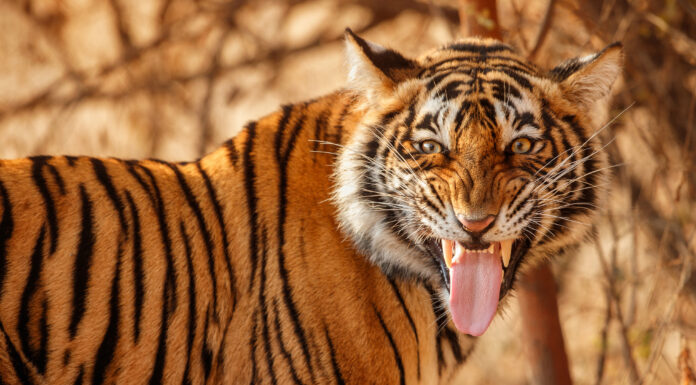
(366, 236)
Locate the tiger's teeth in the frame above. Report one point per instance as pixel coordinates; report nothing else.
(505, 251)
(458, 252)
(490, 249)
(447, 249)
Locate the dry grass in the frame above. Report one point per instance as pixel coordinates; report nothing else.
(173, 78)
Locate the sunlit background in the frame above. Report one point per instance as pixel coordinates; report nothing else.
(173, 79)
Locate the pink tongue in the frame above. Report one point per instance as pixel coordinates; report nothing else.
(474, 292)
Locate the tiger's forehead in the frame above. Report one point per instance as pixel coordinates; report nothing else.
(479, 82)
(475, 54)
(479, 70)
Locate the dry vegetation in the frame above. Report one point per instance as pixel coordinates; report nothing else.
(174, 78)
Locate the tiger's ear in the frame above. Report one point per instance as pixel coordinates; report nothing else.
(586, 80)
(375, 70)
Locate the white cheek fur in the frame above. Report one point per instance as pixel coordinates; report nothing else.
(366, 226)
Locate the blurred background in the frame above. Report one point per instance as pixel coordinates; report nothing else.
(173, 79)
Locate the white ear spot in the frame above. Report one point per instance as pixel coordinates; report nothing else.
(362, 74)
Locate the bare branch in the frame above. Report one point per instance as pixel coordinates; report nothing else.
(543, 31)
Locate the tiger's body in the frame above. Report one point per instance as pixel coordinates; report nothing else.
(249, 265)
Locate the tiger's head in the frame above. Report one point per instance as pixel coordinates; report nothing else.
(471, 163)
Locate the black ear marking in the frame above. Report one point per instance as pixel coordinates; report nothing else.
(391, 63)
(587, 80)
(571, 66)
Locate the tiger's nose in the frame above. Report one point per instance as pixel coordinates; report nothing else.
(475, 225)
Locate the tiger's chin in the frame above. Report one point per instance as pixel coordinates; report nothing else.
(477, 276)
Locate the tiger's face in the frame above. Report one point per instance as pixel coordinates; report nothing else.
(471, 163)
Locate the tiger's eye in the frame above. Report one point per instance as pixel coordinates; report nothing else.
(521, 145)
(430, 147)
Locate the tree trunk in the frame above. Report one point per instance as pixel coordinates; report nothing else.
(543, 338)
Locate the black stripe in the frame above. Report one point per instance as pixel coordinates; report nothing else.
(426, 123)
(283, 156)
(253, 345)
(249, 179)
(38, 162)
(71, 160)
(452, 89)
(336, 368)
(83, 262)
(588, 195)
(572, 122)
(369, 183)
(391, 218)
(387, 118)
(270, 361)
(283, 348)
(202, 226)
(501, 89)
(408, 121)
(440, 317)
(57, 177)
(525, 119)
(80, 376)
(397, 356)
(131, 168)
(410, 320)
(38, 358)
(138, 272)
(433, 206)
(220, 360)
(437, 196)
(232, 152)
(462, 64)
(513, 208)
(164, 234)
(338, 127)
(453, 340)
(105, 354)
(105, 180)
(206, 351)
(6, 229)
(518, 77)
(43, 340)
(223, 230)
(22, 372)
(320, 125)
(488, 112)
(158, 370)
(282, 159)
(282, 126)
(464, 116)
(192, 324)
(437, 79)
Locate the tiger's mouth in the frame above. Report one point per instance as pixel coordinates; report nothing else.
(478, 276)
